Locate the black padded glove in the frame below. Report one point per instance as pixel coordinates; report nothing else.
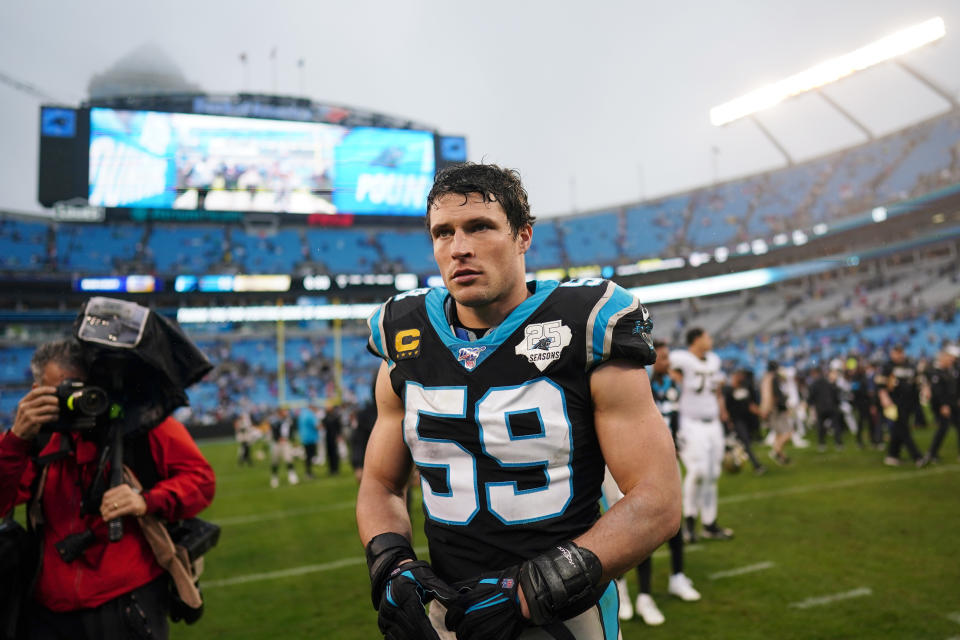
(488, 607)
(401, 586)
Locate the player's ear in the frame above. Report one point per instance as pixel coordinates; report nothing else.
(525, 237)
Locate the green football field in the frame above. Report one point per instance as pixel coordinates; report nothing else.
(834, 546)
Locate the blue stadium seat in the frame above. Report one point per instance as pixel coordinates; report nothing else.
(591, 239)
(186, 250)
(652, 228)
(545, 252)
(23, 245)
(343, 250)
(412, 250)
(266, 253)
(95, 249)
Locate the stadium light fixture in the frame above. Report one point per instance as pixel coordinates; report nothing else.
(829, 71)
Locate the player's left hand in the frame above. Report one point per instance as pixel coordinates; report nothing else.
(488, 607)
(409, 588)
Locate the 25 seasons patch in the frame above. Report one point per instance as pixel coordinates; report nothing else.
(406, 343)
(543, 342)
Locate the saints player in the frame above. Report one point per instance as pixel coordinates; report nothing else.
(700, 434)
(509, 397)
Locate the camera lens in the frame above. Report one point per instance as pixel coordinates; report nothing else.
(89, 401)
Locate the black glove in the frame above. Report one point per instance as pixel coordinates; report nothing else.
(561, 583)
(400, 589)
(488, 607)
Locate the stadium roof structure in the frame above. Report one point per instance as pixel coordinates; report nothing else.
(887, 49)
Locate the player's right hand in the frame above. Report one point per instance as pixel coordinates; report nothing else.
(36, 409)
(401, 613)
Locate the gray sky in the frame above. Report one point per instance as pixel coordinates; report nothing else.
(595, 103)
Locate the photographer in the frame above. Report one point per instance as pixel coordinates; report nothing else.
(106, 589)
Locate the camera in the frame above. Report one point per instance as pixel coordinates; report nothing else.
(80, 405)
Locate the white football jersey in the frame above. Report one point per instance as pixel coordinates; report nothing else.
(701, 379)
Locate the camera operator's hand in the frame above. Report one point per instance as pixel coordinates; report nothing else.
(36, 409)
(122, 500)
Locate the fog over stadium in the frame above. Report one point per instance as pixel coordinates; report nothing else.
(596, 105)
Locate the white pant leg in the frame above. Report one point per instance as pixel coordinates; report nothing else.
(694, 453)
(713, 435)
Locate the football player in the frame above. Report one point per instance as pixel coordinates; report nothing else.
(700, 434)
(509, 396)
(665, 394)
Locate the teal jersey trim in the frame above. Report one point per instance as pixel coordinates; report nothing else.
(610, 612)
(620, 300)
(373, 322)
(483, 348)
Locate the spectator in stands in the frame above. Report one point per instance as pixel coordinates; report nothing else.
(281, 447)
(775, 411)
(307, 428)
(899, 395)
(943, 400)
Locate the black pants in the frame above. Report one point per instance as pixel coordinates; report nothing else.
(333, 450)
(140, 614)
(866, 424)
(742, 430)
(835, 421)
(645, 568)
(900, 434)
(309, 453)
(943, 426)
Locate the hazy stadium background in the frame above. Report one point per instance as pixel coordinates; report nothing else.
(845, 246)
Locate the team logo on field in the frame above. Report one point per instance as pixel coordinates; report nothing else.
(543, 342)
(468, 356)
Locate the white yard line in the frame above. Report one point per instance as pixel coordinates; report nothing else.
(277, 515)
(752, 568)
(822, 600)
(295, 571)
(955, 616)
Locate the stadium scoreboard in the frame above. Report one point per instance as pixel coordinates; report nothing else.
(153, 164)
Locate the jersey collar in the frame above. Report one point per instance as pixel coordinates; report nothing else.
(485, 346)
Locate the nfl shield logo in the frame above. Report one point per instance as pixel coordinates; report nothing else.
(468, 356)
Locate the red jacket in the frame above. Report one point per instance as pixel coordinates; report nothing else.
(106, 569)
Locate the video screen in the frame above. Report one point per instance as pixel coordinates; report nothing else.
(221, 163)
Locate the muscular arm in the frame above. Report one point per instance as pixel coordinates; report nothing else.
(381, 507)
(639, 452)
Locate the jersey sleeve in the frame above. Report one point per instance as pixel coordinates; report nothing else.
(620, 329)
(377, 344)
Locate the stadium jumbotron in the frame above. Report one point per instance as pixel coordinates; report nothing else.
(270, 227)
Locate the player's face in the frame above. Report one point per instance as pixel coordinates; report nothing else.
(480, 259)
(705, 341)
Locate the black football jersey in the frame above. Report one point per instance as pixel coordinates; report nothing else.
(501, 428)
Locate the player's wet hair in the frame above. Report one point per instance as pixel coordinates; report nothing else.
(693, 334)
(492, 182)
